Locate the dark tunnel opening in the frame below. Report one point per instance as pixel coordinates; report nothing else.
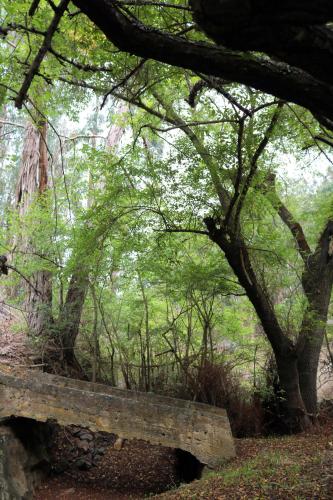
(189, 468)
(42, 463)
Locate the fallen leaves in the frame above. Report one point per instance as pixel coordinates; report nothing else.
(279, 468)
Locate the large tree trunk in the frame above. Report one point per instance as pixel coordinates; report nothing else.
(33, 184)
(317, 283)
(297, 363)
(297, 414)
(285, 351)
(38, 304)
(68, 324)
(308, 361)
(308, 348)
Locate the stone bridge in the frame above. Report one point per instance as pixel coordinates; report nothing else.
(199, 429)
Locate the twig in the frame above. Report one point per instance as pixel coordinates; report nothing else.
(124, 80)
(13, 124)
(25, 278)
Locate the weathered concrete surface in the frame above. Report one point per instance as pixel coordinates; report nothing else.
(14, 483)
(202, 430)
(22, 465)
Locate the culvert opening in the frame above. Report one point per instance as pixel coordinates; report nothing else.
(90, 463)
(35, 436)
(82, 462)
(24, 459)
(189, 468)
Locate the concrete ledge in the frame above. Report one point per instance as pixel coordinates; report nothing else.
(199, 429)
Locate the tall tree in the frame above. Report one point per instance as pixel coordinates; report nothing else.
(296, 354)
(32, 188)
(68, 323)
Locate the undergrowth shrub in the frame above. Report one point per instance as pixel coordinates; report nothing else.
(252, 411)
(216, 384)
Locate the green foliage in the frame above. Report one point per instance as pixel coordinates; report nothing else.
(131, 217)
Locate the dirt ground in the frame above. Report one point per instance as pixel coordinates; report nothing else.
(91, 468)
(298, 467)
(274, 468)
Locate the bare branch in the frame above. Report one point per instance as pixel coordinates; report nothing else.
(325, 140)
(124, 80)
(139, 3)
(13, 124)
(34, 68)
(25, 278)
(78, 65)
(180, 230)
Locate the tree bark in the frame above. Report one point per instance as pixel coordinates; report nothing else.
(285, 352)
(68, 323)
(308, 361)
(288, 372)
(317, 281)
(33, 184)
(287, 31)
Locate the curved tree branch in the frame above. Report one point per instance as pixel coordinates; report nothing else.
(277, 78)
(289, 220)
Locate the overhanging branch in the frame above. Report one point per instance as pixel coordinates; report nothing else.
(282, 80)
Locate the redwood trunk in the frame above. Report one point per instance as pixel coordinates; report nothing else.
(33, 183)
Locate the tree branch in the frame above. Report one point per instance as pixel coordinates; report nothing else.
(254, 161)
(34, 68)
(34, 7)
(288, 219)
(286, 82)
(149, 3)
(239, 175)
(222, 194)
(180, 230)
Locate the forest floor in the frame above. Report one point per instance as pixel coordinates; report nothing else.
(90, 466)
(275, 468)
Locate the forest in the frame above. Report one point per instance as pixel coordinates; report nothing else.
(166, 202)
